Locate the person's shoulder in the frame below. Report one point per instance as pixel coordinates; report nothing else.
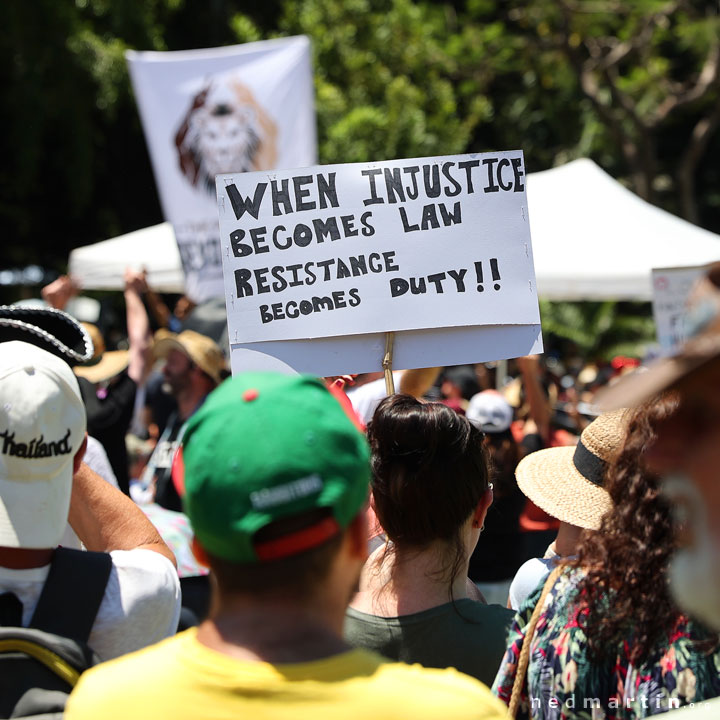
(141, 604)
(141, 565)
(533, 570)
(145, 578)
(141, 559)
(149, 575)
(534, 567)
(485, 612)
(114, 683)
(428, 692)
(527, 579)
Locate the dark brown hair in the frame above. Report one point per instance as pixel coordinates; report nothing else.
(624, 594)
(504, 457)
(429, 472)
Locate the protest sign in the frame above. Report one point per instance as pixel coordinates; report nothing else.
(412, 349)
(671, 288)
(231, 109)
(357, 249)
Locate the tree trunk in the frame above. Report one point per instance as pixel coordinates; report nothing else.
(687, 167)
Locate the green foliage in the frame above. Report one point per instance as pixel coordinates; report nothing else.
(393, 78)
(66, 96)
(599, 330)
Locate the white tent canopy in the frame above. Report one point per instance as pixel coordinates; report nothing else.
(102, 266)
(592, 240)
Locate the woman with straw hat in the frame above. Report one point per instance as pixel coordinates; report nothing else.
(602, 637)
(567, 483)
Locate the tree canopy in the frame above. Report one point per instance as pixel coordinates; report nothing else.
(636, 86)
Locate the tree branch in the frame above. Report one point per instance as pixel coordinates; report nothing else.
(708, 79)
(699, 139)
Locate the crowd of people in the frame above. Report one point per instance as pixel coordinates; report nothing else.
(175, 542)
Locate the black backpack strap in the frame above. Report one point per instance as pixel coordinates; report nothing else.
(73, 591)
(11, 610)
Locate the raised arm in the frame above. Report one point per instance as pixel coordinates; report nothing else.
(58, 292)
(418, 381)
(105, 519)
(158, 308)
(138, 327)
(535, 395)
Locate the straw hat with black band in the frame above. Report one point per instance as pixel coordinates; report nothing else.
(568, 482)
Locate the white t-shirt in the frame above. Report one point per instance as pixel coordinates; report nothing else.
(529, 575)
(367, 397)
(141, 605)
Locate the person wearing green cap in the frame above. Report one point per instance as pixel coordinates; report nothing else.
(276, 479)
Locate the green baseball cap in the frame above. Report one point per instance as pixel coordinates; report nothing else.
(267, 446)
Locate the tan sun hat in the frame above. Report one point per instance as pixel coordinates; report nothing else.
(567, 482)
(201, 349)
(703, 346)
(104, 364)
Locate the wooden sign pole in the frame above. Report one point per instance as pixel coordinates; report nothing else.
(387, 363)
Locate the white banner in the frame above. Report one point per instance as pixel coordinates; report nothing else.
(364, 248)
(205, 112)
(671, 288)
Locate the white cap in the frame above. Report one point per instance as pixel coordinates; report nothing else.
(42, 426)
(489, 411)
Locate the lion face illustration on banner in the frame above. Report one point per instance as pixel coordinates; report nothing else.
(225, 130)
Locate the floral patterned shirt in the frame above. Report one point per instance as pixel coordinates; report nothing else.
(562, 683)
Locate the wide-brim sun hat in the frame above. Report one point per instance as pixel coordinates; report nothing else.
(702, 347)
(568, 482)
(104, 364)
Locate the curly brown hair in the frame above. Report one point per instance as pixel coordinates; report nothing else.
(629, 555)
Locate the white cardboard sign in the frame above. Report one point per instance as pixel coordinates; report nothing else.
(228, 109)
(671, 288)
(356, 249)
(412, 349)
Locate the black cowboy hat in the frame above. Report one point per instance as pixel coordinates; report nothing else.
(47, 328)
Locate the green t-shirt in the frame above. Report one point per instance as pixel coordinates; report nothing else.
(469, 636)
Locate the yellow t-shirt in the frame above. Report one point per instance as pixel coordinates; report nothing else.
(181, 679)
